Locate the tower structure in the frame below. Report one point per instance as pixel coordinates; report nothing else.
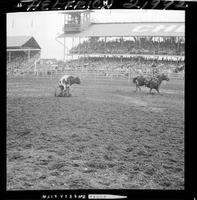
(76, 21)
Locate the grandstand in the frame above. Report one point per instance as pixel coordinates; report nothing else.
(22, 54)
(137, 43)
(102, 46)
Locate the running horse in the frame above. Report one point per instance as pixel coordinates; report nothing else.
(64, 85)
(150, 82)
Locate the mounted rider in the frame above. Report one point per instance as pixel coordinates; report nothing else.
(153, 73)
(155, 70)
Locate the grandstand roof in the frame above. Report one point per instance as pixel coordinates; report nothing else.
(20, 42)
(160, 29)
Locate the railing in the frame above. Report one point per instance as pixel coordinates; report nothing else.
(75, 27)
(91, 75)
(72, 28)
(177, 75)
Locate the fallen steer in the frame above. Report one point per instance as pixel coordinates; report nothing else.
(60, 92)
(63, 89)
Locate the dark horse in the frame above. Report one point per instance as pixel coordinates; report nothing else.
(152, 82)
(64, 86)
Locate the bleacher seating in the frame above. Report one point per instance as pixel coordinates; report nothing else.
(124, 65)
(129, 47)
(20, 64)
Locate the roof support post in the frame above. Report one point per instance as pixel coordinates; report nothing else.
(105, 48)
(139, 42)
(84, 57)
(72, 47)
(79, 51)
(64, 49)
(29, 56)
(121, 49)
(178, 45)
(88, 49)
(35, 68)
(64, 38)
(89, 57)
(9, 56)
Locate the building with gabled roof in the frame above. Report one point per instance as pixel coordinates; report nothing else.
(23, 45)
(22, 42)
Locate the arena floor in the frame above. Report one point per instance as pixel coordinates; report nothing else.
(106, 136)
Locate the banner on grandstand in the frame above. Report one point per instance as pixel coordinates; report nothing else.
(157, 57)
(137, 29)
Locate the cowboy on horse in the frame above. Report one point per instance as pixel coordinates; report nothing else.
(152, 80)
(155, 70)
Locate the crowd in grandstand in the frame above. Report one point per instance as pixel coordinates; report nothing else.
(121, 65)
(96, 64)
(18, 62)
(135, 46)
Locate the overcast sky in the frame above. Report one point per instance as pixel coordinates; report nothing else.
(46, 26)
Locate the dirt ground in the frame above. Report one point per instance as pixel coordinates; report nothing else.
(106, 136)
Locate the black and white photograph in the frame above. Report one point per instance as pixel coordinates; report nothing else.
(95, 100)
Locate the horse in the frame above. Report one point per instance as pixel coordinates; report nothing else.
(139, 81)
(64, 85)
(150, 82)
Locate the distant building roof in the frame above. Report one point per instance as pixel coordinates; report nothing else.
(157, 29)
(15, 42)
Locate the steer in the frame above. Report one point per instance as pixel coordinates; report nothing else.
(65, 82)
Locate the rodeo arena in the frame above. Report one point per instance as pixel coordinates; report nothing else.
(109, 115)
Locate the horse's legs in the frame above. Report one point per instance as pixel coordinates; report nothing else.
(158, 91)
(135, 87)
